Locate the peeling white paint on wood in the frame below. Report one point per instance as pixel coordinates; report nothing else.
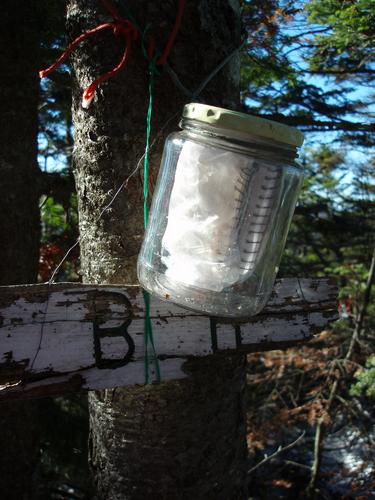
(92, 378)
(68, 336)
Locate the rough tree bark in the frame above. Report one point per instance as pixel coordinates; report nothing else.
(19, 214)
(183, 439)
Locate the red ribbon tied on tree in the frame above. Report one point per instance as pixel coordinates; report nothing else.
(122, 28)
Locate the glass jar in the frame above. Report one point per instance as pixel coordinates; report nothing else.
(222, 206)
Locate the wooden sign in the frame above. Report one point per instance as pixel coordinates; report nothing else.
(66, 337)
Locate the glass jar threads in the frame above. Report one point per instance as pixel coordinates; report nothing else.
(225, 196)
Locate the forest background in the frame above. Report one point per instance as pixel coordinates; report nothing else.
(304, 63)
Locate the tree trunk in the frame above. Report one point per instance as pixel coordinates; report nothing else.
(19, 89)
(184, 439)
(19, 215)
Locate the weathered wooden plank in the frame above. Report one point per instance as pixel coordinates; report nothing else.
(67, 336)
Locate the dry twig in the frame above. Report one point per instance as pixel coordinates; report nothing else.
(319, 432)
(278, 452)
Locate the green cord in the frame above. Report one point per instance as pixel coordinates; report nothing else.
(149, 338)
(150, 352)
(128, 14)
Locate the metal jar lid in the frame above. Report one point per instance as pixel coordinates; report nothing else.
(244, 123)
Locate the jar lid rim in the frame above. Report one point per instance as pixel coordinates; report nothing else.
(242, 122)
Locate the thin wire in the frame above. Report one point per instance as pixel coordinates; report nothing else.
(217, 69)
(122, 186)
(206, 81)
(41, 332)
(51, 280)
(175, 79)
